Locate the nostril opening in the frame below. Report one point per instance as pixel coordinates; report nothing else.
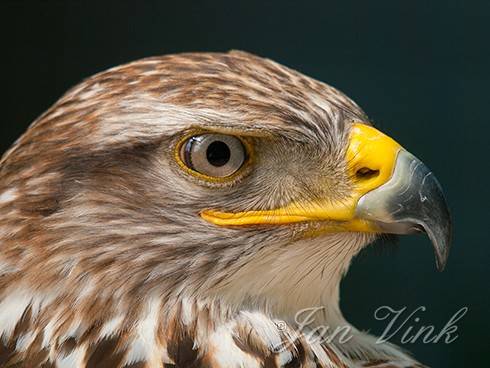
(365, 173)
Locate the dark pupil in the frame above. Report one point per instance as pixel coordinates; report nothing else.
(218, 153)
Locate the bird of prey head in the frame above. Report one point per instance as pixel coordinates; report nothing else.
(179, 211)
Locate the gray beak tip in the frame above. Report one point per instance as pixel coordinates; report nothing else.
(410, 201)
(437, 222)
(441, 240)
(440, 262)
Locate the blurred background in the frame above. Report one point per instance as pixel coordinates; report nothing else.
(419, 69)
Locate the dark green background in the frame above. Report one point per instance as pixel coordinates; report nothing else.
(418, 68)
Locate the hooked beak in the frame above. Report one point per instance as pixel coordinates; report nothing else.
(393, 192)
(411, 201)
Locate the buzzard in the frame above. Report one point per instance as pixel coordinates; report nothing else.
(192, 210)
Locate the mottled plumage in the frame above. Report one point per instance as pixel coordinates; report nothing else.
(104, 261)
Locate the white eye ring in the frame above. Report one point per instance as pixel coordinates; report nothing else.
(214, 155)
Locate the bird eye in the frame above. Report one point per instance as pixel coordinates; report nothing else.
(213, 155)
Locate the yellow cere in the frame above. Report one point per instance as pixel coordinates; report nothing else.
(370, 159)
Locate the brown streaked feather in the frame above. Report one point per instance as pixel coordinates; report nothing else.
(182, 346)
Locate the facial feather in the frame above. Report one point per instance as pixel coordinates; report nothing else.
(98, 220)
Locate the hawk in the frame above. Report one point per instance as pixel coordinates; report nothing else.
(183, 211)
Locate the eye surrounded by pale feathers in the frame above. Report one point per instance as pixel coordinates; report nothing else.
(213, 156)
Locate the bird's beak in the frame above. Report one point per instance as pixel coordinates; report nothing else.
(393, 192)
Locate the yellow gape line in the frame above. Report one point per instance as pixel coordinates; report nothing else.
(370, 160)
